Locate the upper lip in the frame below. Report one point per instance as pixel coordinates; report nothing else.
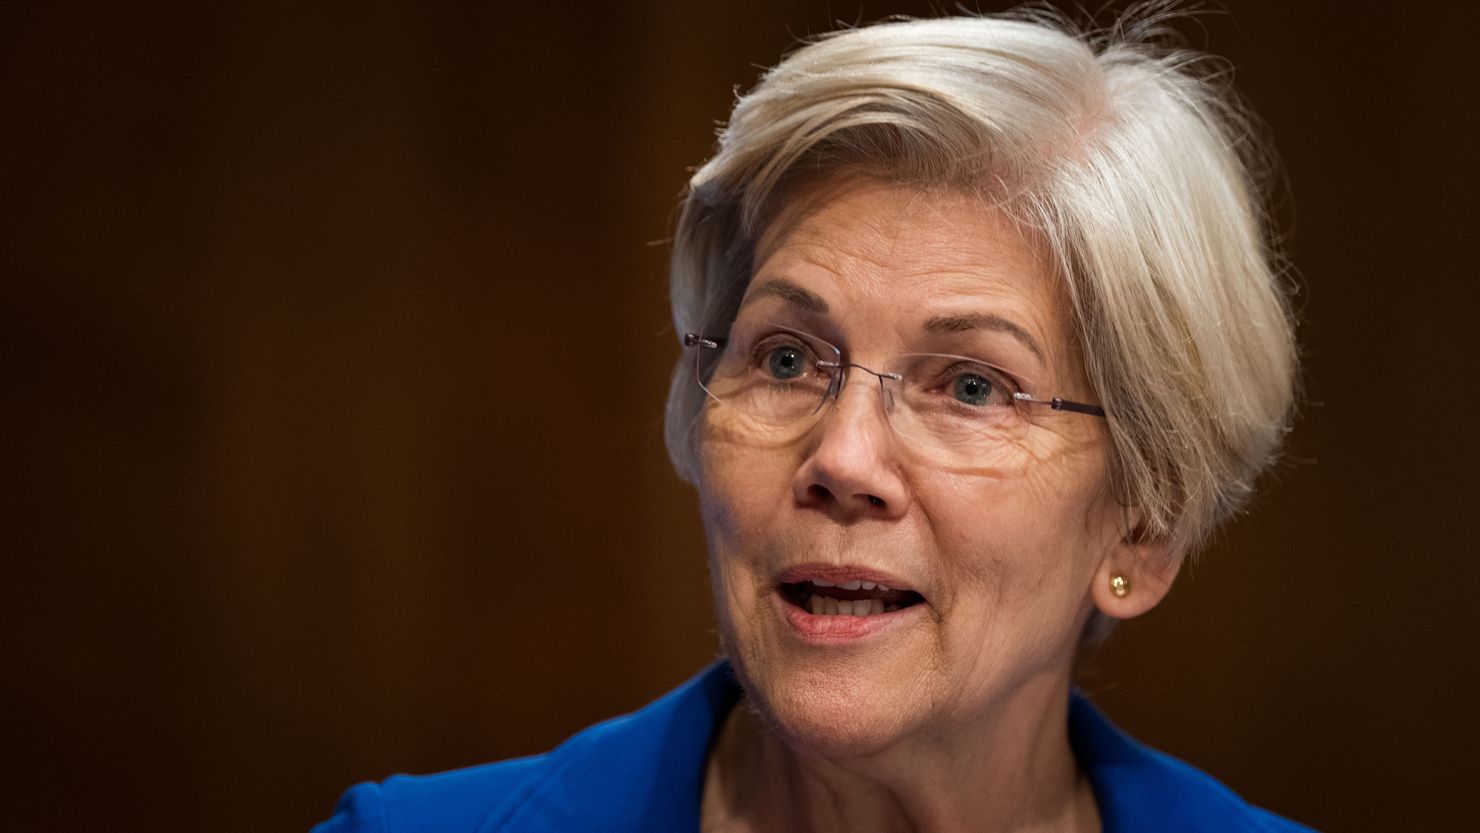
(839, 573)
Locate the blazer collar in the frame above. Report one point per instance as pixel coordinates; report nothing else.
(639, 772)
(645, 771)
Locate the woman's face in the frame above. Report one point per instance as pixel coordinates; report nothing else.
(1002, 554)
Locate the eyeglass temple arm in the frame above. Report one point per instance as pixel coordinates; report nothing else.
(696, 340)
(1061, 404)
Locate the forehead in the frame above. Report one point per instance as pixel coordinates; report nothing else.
(887, 257)
(898, 226)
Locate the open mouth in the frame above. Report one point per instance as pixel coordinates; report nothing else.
(849, 598)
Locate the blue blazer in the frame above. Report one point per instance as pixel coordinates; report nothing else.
(645, 772)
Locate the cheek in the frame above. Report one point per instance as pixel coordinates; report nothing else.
(1020, 553)
(741, 493)
(742, 486)
(731, 495)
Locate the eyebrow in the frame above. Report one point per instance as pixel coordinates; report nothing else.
(810, 301)
(788, 292)
(983, 321)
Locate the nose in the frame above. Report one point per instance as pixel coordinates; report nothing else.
(851, 471)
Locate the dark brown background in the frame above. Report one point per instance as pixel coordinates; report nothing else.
(335, 345)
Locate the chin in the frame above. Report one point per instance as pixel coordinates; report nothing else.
(836, 709)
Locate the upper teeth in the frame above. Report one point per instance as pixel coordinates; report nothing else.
(850, 585)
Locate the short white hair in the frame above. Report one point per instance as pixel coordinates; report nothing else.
(1125, 159)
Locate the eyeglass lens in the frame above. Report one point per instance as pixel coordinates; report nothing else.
(774, 380)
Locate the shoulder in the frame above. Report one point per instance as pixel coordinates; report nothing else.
(455, 801)
(494, 797)
(1139, 788)
(628, 773)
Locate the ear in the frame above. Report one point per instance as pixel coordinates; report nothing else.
(1147, 563)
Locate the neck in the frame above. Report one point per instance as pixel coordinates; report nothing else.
(1012, 772)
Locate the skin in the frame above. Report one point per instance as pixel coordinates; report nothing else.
(955, 720)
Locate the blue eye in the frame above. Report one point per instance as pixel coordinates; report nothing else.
(972, 389)
(785, 362)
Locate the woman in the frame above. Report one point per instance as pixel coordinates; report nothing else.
(981, 340)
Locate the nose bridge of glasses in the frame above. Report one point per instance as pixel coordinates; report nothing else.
(841, 377)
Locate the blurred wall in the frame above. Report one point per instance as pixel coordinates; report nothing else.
(336, 343)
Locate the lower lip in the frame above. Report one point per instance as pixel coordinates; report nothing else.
(825, 630)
